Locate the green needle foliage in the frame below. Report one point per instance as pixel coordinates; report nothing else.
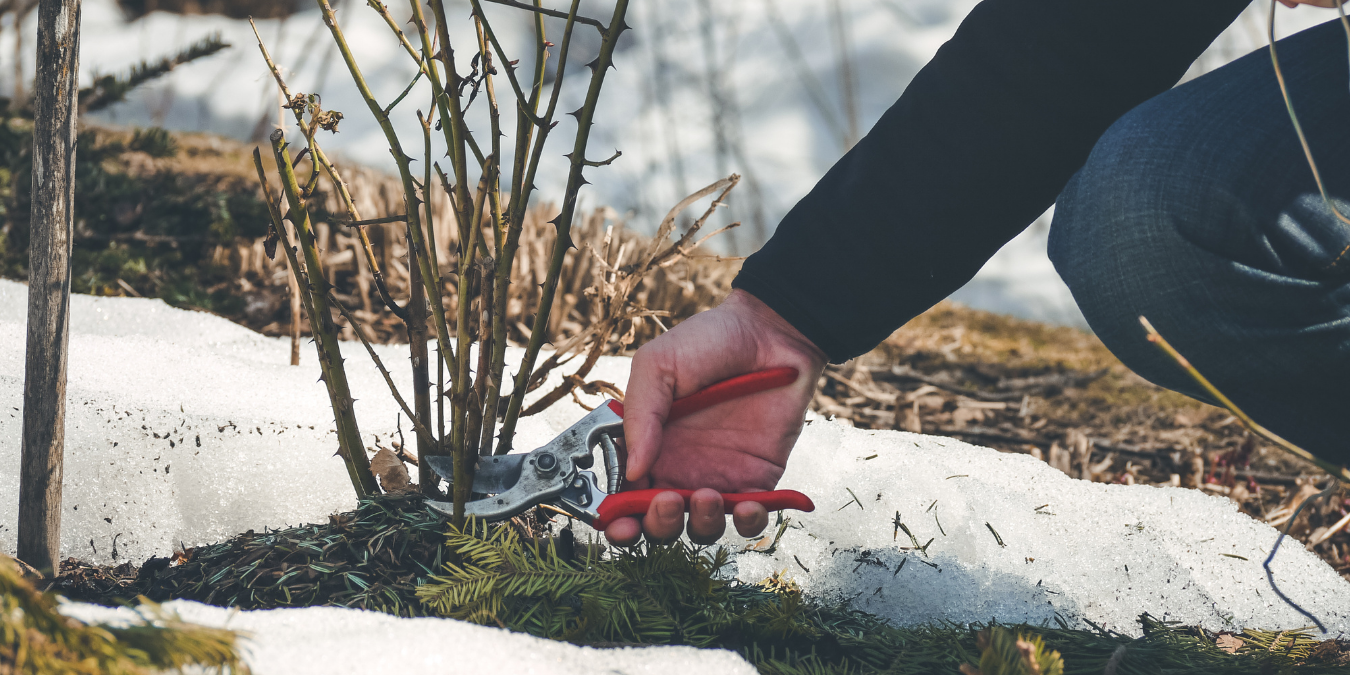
(391, 554)
(680, 594)
(373, 558)
(109, 89)
(1004, 652)
(36, 638)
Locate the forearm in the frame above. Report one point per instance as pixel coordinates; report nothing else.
(977, 147)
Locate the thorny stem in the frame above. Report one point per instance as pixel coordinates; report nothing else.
(325, 333)
(1339, 472)
(394, 103)
(550, 12)
(459, 400)
(562, 222)
(486, 30)
(487, 380)
(426, 190)
(526, 114)
(379, 364)
(339, 184)
(494, 117)
(279, 227)
(430, 276)
(447, 99)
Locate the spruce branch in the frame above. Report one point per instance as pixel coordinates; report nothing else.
(110, 89)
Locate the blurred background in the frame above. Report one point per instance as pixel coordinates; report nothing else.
(775, 90)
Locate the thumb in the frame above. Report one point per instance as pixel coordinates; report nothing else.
(651, 389)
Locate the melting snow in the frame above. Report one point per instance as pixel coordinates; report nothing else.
(1012, 538)
(336, 641)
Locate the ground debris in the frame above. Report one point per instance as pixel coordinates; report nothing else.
(1058, 394)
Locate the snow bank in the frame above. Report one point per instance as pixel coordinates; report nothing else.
(147, 381)
(184, 428)
(335, 641)
(1015, 539)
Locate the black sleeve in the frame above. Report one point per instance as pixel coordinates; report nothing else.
(978, 146)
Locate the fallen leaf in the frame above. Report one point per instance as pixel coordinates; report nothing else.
(963, 416)
(1229, 643)
(390, 470)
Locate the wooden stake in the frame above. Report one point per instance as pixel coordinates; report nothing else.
(44, 391)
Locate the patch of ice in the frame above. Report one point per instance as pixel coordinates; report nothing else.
(338, 641)
(148, 380)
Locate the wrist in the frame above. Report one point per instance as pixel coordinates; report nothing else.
(764, 317)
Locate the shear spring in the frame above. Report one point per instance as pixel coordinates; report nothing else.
(613, 473)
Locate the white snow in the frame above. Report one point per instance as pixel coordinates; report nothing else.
(1104, 553)
(185, 428)
(1078, 549)
(336, 641)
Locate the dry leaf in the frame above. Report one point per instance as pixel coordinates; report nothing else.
(963, 416)
(1189, 418)
(1229, 643)
(1028, 652)
(910, 420)
(390, 470)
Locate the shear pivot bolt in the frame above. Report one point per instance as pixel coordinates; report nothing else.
(547, 462)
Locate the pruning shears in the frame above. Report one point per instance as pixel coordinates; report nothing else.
(556, 474)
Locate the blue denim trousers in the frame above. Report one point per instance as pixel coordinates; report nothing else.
(1198, 210)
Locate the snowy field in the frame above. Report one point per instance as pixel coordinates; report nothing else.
(184, 429)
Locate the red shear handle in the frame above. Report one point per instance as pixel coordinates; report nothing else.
(736, 387)
(635, 502)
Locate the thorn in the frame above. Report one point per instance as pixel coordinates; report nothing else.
(577, 113)
(593, 63)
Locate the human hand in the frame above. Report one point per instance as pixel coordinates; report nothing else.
(737, 446)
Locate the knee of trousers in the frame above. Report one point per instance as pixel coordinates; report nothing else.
(1132, 238)
(1116, 243)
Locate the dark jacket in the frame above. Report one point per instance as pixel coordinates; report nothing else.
(978, 146)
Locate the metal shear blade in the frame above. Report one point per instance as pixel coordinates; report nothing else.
(514, 483)
(493, 474)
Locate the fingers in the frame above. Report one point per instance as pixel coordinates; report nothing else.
(750, 518)
(665, 520)
(651, 388)
(624, 531)
(665, 517)
(707, 520)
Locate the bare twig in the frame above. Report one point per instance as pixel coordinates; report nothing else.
(1339, 472)
(551, 12)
